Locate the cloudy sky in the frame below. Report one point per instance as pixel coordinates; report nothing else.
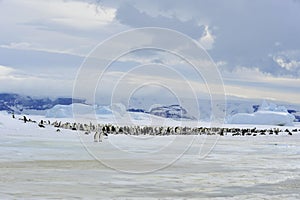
(255, 44)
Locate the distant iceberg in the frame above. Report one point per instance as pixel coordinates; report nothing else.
(67, 111)
(267, 114)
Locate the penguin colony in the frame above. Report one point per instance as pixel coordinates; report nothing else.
(101, 130)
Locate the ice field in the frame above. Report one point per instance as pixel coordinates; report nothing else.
(37, 163)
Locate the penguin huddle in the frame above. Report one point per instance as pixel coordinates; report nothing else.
(103, 130)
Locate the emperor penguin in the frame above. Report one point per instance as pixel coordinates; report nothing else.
(96, 137)
(100, 136)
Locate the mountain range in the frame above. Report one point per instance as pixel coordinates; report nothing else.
(18, 104)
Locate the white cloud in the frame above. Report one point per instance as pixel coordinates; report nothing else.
(19, 81)
(207, 40)
(240, 38)
(75, 14)
(277, 44)
(289, 65)
(251, 92)
(252, 83)
(5, 71)
(37, 47)
(17, 45)
(59, 26)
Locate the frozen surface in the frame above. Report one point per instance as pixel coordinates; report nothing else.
(44, 164)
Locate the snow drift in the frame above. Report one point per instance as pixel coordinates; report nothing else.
(268, 114)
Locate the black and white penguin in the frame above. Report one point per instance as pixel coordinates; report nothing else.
(96, 137)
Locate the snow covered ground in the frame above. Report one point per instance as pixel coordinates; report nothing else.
(38, 163)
